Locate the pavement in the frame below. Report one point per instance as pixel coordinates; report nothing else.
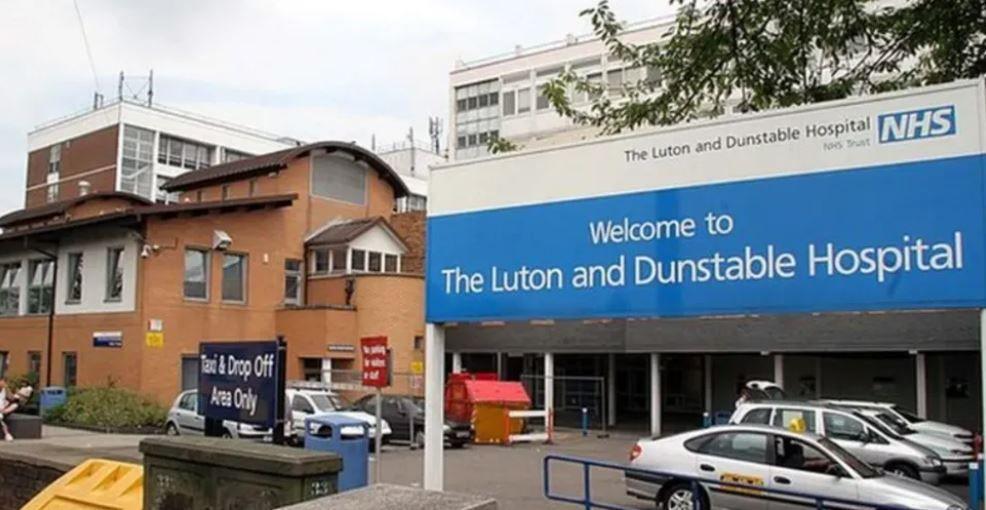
(512, 475)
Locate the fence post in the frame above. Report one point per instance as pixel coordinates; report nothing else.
(586, 480)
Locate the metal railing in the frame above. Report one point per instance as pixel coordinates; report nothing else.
(585, 500)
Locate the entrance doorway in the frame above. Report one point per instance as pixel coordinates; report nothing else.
(683, 392)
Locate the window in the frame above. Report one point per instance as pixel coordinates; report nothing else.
(793, 453)
(70, 368)
(73, 292)
(114, 274)
(189, 402)
(460, 142)
(542, 100)
(494, 98)
(225, 192)
(359, 260)
(614, 82)
(509, 103)
(320, 259)
(472, 103)
(198, 196)
(136, 172)
(594, 79)
(184, 153)
(162, 195)
(390, 263)
(51, 193)
(523, 100)
(375, 263)
(292, 281)
(338, 178)
(840, 426)
(4, 363)
(484, 101)
(302, 405)
(189, 372)
(760, 416)
(253, 187)
(10, 291)
(419, 343)
(234, 277)
(55, 159)
(653, 76)
(196, 274)
(229, 155)
(39, 291)
(339, 260)
(311, 369)
(745, 446)
(34, 362)
(785, 417)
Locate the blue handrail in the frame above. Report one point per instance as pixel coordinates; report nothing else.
(821, 501)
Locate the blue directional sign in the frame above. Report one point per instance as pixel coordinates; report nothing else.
(238, 381)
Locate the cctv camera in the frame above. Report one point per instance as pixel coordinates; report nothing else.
(221, 240)
(145, 251)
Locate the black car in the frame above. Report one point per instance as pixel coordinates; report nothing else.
(401, 411)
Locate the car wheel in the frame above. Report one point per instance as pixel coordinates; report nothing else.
(419, 439)
(680, 497)
(904, 470)
(171, 429)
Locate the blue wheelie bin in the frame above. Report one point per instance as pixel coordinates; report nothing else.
(347, 437)
(51, 397)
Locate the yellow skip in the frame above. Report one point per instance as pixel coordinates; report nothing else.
(94, 484)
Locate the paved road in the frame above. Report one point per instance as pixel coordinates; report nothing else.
(512, 475)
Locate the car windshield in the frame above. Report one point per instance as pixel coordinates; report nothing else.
(863, 469)
(325, 402)
(894, 423)
(908, 415)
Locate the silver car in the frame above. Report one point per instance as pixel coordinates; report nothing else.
(184, 419)
(763, 457)
(853, 431)
(913, 421)
(954, 453)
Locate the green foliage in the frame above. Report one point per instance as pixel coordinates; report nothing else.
(497, 145)
(761, 54)
(108, 408)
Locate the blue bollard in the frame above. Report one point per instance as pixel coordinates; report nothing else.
(975, 484)
(706, 420)
(585, 421)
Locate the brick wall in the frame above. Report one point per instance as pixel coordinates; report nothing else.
(20, 481)
(411, 227)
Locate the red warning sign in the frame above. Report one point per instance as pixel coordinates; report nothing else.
(375, 370)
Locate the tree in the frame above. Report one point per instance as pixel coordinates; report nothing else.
(759, 54)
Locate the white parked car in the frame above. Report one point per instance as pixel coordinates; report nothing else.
(913, 421)
(184, 419)
(860, 435)
(311, 402)
(766, 457)
(954, 453)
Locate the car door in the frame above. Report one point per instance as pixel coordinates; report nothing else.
(189, 421)
(301, 408)
(801, 467)
(853, 435)
(393, 412)
(738, 458)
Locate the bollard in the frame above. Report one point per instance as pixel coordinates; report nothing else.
(706, 420)
(585, 421)
(975, 484)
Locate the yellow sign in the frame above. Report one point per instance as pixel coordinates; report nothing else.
(155, 339)
(417, 367)
(738, 478)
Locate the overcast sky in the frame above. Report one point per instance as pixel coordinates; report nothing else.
(313, 70)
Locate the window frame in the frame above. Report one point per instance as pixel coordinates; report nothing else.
(31, 268)
(206, 269)
(55, 159)
(298, 274)
(75, 369)
(244, 275)
(363, 261)
(6, 292)
(114, 266)
(74, 277)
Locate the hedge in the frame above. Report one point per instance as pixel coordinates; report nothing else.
(110, 409)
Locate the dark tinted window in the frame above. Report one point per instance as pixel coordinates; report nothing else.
(299, 403)
(840, 426)
(761, 416)
(746, 446)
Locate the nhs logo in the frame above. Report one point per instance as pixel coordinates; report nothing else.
(915, 124)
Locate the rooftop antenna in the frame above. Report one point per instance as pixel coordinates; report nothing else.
(435, 132)
(410, 138)
(150, 88)
(373, 142)
(144, 94)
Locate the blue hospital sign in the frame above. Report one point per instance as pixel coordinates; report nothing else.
(799, 211)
